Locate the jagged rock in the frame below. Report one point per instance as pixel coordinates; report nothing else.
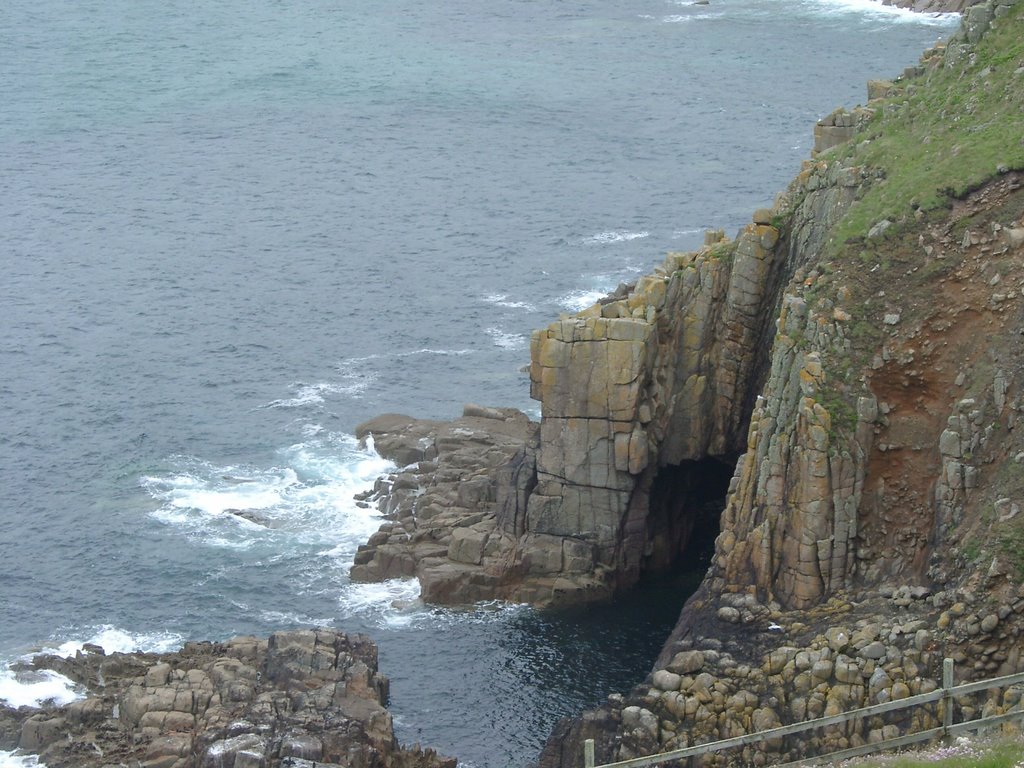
(874, 650)
(838, 639)
(879, 89)
(312, 695)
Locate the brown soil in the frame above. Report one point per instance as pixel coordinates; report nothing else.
(957, 289)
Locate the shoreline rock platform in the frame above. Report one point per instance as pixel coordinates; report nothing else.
(302, 699)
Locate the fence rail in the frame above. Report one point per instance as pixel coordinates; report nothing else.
(945, 694)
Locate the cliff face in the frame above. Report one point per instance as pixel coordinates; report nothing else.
(845, 374)
(645, 399)
(872, 523)
(655, 377)
(661, 376)
(779, 350)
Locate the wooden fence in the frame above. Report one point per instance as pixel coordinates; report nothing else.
(946, 694)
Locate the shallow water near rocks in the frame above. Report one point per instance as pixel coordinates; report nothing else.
(232, 232)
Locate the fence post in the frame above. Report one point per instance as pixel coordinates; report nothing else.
(947, 697)
(588, 753)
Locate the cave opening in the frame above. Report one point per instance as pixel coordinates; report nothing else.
(685, 504)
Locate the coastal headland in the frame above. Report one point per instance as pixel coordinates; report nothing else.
(835, 392)
(825, 408)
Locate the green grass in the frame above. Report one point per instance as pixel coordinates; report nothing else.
(944, 135)
(961, 754)
(723, 252)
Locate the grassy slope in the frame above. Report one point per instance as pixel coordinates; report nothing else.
(945, 135)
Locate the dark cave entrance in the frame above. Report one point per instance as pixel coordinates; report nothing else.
(685, 506)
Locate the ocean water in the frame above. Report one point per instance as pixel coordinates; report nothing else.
(233, 231)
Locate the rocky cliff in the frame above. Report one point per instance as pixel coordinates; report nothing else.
(301, 699)
(872, 522)
(646, 400)
(843, 378)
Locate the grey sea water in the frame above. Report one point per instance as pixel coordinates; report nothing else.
(232, 231)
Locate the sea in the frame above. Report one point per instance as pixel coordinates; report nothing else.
(231, 231)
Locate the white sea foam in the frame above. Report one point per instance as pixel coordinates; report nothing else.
(406, 353)
(604, 238)
(225, 542)
(676, 18)
(284, 618)
(116, 640)
(581, 299)
(384, 599)
(678, 233)
(219, 491)
(312, 430)
(353, 384)
(16, 760)
(323, 505)
(36, 688)
(305, 394)
(507, 340)
(873, 9)
(33, 688)
(502, 300)
(308, 499)
(396, 604)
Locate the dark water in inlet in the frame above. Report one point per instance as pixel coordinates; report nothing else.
(233, 230)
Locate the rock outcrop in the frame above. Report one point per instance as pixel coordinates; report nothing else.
(643, 396)
(872, 523)
(861, 386)
(749, 349)
(300, 699)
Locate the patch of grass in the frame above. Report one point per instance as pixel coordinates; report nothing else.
(963, 753)
(865, 334)
(842, 412)
(971, 550)
(723, 252)
(945, 138)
